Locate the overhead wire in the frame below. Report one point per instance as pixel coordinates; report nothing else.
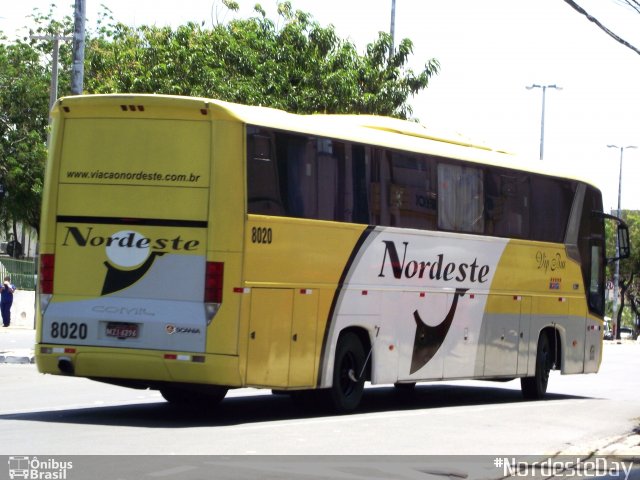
(633, 3)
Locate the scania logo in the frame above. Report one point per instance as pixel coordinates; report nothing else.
(172, 329)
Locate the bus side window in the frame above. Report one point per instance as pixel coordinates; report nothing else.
(460, 198)
(361, 168)
(263, 185)
(591, 244)
(327, 181)
(596, 280)
(507, 204)
(412, 199)
(551, 202)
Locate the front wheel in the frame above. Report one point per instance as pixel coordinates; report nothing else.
(348, 374)
(534, 388)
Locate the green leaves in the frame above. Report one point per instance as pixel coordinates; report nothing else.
(292, 63)
(24, 107)
(300, 66)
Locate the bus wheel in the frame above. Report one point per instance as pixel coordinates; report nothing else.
(348, 375)
(534, 388)
(182, 396)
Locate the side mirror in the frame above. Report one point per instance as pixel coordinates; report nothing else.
(624, 248)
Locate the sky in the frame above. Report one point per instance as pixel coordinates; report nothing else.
(489, 52)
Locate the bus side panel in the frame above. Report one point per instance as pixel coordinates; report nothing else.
(438, 283)
(593, 345)
(291, 270)
(543, 275)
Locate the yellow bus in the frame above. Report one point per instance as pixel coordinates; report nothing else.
(193, 246)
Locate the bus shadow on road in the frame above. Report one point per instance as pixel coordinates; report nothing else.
(263, 408)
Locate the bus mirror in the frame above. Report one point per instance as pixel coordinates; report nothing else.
(624, 247)
(624, 250)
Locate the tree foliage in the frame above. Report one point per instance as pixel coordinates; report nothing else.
(299, 67)
(629, 281)
(24, 98)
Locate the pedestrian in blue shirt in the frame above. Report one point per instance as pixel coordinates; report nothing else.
(6, 300)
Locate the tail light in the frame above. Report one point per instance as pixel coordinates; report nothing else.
(45, 273)
(213, 283)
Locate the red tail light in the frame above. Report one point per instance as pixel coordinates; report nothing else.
(213, 283)
(45, 274)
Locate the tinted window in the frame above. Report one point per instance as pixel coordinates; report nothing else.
(297, 176)
(551, 201)
(320, 178)
(460, 198)
(591, 246)
(507, 203)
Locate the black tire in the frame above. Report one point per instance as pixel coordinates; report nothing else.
(534, 388)
(348, 374)
(178, 396)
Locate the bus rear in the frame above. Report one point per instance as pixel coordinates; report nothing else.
(129, 279)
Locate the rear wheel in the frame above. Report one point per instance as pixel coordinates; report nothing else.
(348, 374)
(534, 388)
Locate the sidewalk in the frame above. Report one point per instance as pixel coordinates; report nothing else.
(17, 340)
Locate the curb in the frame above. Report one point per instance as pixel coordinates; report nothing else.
(624, 446)
(18, 357)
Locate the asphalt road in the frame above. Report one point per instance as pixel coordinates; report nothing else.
(60, 415)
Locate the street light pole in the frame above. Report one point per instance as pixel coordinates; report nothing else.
(544, 94)
(53, 94)
(616, 274)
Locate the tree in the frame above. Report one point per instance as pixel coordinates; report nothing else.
(23, 129)
(629, 268)
(300, 67)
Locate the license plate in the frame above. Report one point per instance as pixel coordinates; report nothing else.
(122, 330)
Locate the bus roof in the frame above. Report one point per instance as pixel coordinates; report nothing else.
(368, 129)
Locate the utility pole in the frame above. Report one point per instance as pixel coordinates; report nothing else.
(544, 94)
(392, 29)
(77, 74)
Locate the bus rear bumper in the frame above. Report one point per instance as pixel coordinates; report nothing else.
(145, 366)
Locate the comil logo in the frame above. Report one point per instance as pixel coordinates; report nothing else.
(38, 469)
(130, 254)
